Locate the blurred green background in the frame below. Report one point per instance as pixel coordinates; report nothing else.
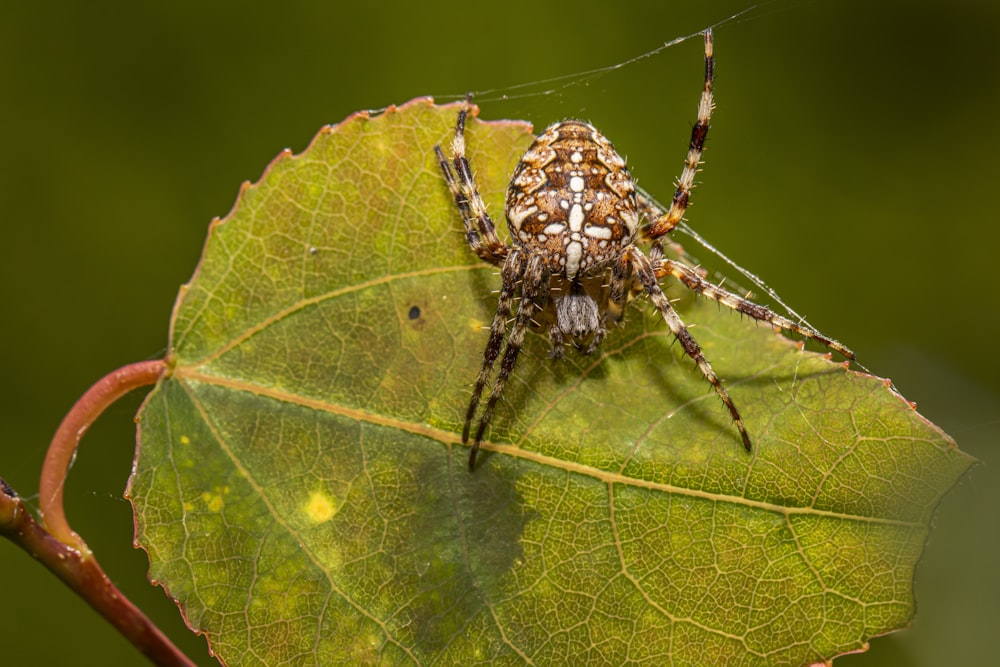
(853, 163)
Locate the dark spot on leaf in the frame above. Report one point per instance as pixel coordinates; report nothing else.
(414, 312)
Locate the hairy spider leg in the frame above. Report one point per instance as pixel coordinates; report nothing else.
(646, 274)
(513, 268)
(619, 289)
(650, 210)
(695, 282)
(480, 232)
(666, 222)
(534, 293)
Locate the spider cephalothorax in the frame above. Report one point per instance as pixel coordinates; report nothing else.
(573, 214)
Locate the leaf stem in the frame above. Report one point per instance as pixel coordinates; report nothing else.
(52, 542)
(87, 409)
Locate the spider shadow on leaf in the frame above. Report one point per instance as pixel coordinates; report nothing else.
(465, 535)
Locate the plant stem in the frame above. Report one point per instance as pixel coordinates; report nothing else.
(52, 542)
(87, 409)
(79, 570)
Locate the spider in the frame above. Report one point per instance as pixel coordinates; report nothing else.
(574, 217)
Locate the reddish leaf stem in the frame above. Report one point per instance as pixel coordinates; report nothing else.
(57, 546)
(105, 391)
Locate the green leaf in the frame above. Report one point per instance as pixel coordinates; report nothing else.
(302, 491)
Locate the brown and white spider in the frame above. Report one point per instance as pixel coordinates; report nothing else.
(573, 214)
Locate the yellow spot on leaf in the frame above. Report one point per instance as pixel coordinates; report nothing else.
(185, 440)
(320, 507)
(213, 500)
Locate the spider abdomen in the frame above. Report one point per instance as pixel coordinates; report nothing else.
(572, 200)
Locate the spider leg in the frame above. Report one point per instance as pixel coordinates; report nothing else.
(694, 281)
(650, 210)
(696, 147)
(513, 267)
(596, 341)
(471, 233)
(480, 232)
(647, 277)
(534, 292)
(557, 341)
(619, 289)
